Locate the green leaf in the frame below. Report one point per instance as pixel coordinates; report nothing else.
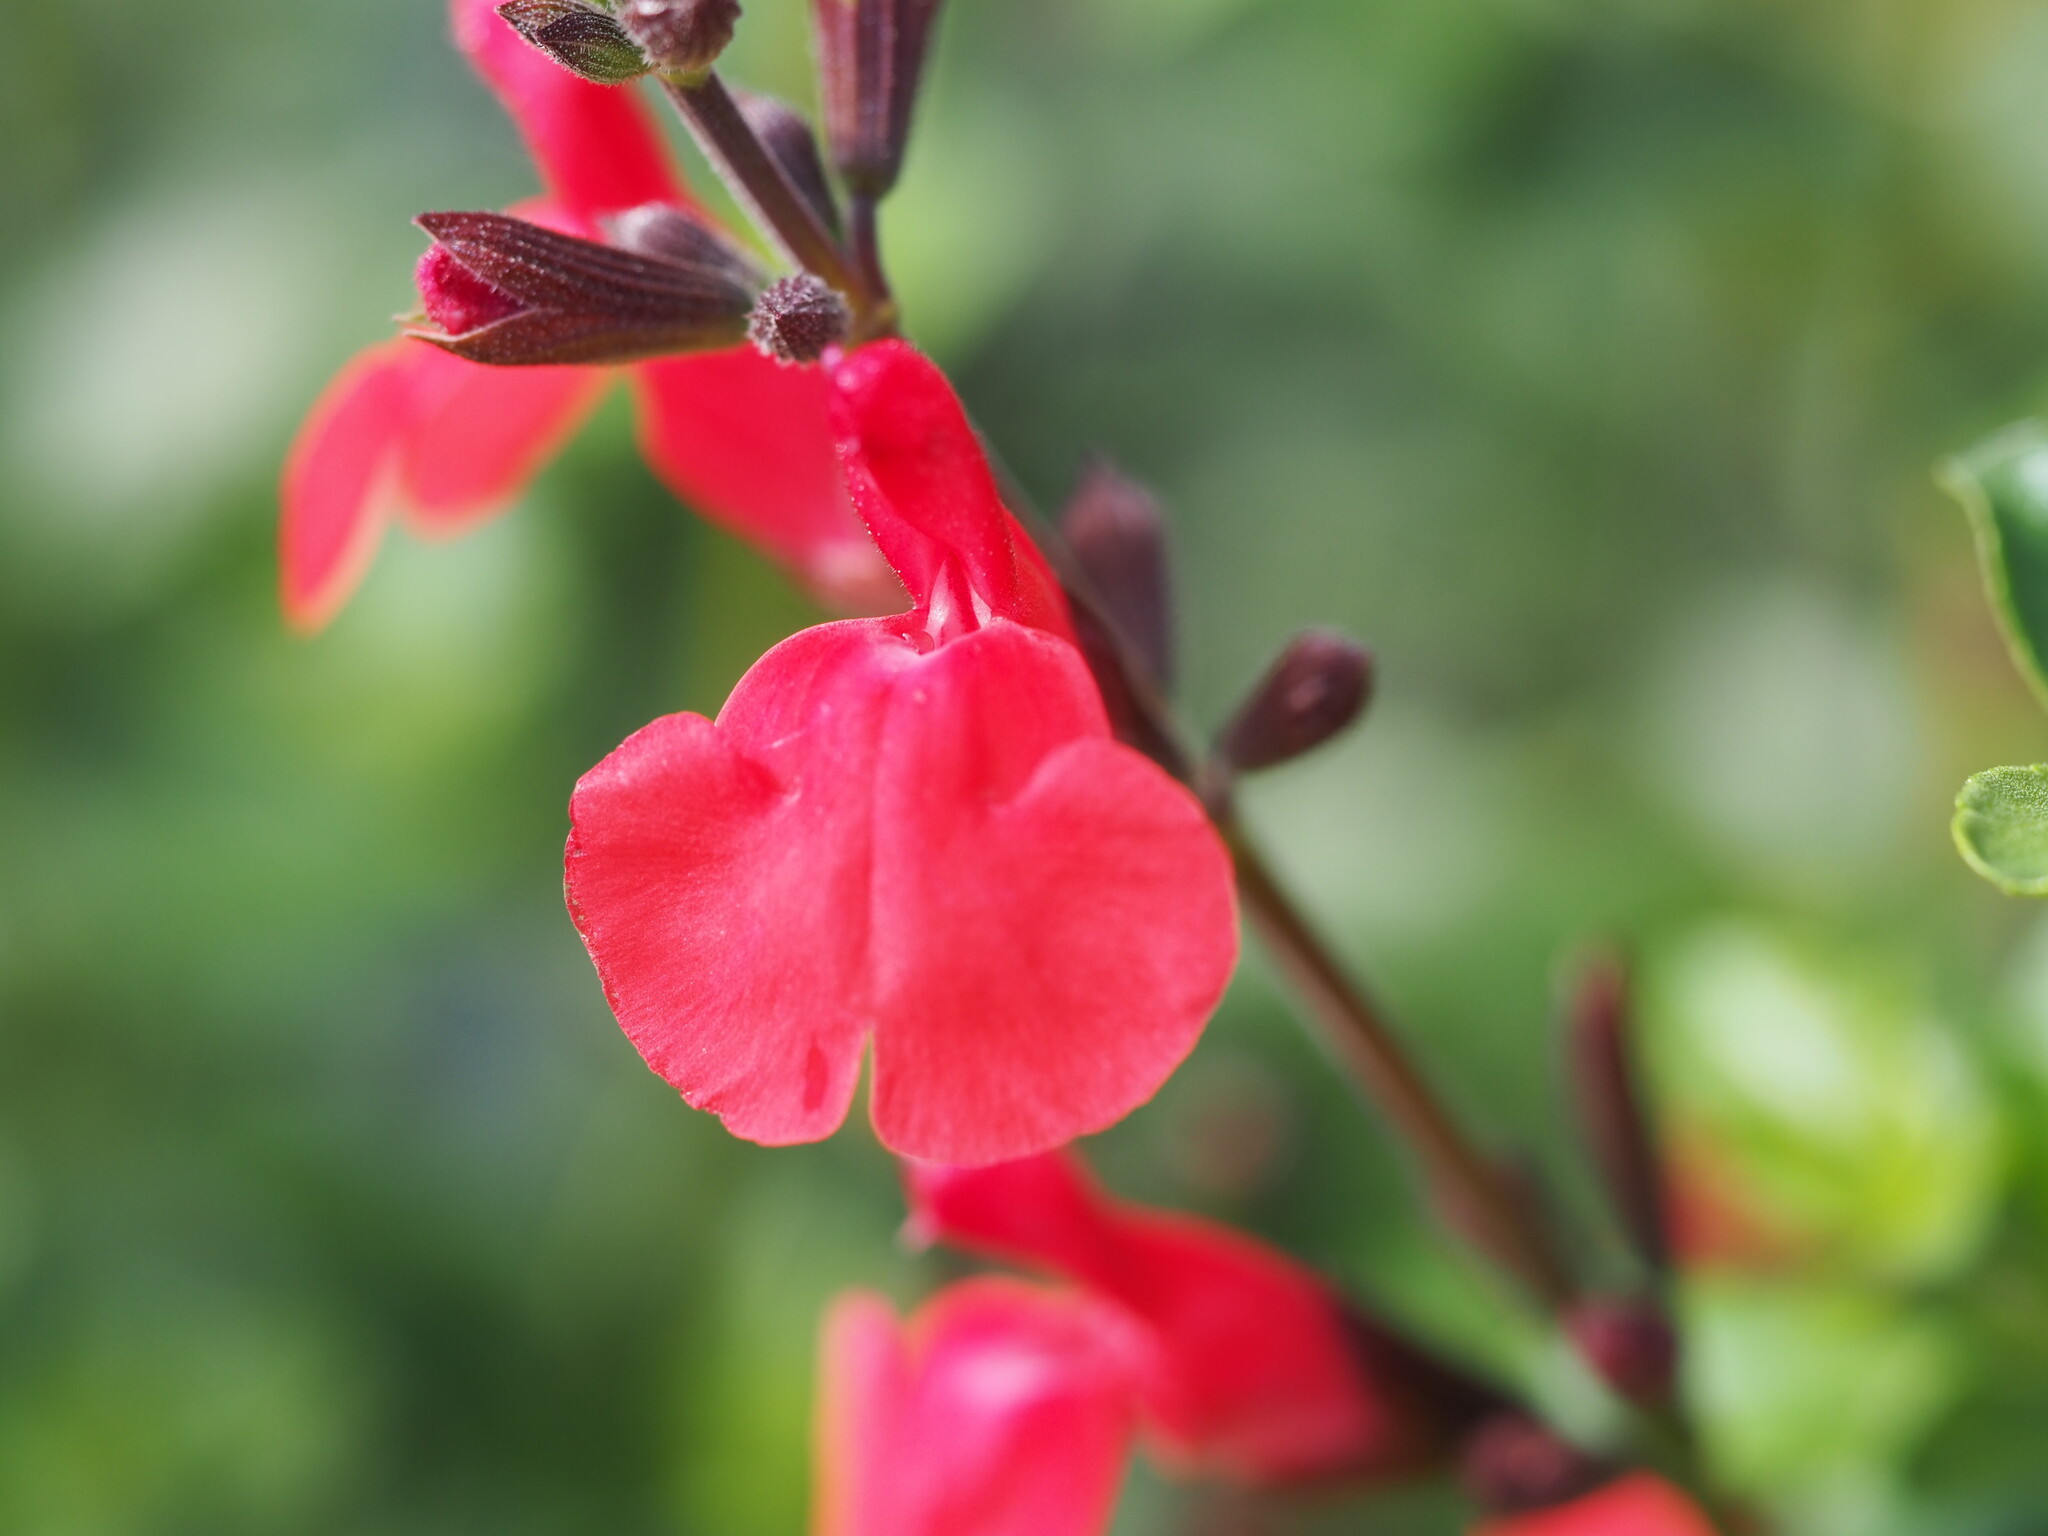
(2001, 826)
(2003, 485)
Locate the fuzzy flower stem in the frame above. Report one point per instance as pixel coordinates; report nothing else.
(762, 185)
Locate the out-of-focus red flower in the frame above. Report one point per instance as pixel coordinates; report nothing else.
(915, 831)
(1257, 1369)
(1637, 1505)
(444, 443)
(1001, 1409)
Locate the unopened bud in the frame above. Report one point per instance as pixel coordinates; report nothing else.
(1513, 1464)
(499, 290)
(681, 38)
(1613, 1115)
(787, 136)
(1629, 1343)
(581, 38)
(870, 59)
(1114, 528)
(797, 318)
(1317, 686)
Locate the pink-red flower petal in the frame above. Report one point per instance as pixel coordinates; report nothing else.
(1001, 1410)
(1637, 1505)
(940, 847)
(1257, 1370)
(744, 440)
(719, 875)
(922, 484)
(596, 146)
(930, 839)
(339, 478)
(1055, 916)
(475, 436)
(406, 428)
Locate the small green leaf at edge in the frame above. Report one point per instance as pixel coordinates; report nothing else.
(2001, 828)
(2002, 484)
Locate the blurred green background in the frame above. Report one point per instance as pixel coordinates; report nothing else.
(1588, 357)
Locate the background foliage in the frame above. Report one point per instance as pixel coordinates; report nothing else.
(1586, 356)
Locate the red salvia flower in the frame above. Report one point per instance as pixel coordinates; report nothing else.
(1257, 1369)
(1636, 1505)
(1000, 1410)
(445, 443)
(915, 831)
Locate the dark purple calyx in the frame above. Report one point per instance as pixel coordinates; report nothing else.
(871, 59)
(1315, 688)
(500, 290)
(797, 318)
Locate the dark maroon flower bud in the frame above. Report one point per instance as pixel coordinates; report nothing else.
(797, 318)
(1114, 528)
(677, 234)
(681, 38)
(788, 137)
(1318, 685)
(870, 57)
(1513, 1464)
(500, 290)
(1630, 1344)
(581, 38)
(1613, 1115)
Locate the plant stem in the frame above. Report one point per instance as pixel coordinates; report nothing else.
(1473, 1195)
(758, 180)
(867, 251)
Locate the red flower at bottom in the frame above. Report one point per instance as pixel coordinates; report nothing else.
(1256, 1367)
(1001, 1410)
(1638, 1505)
(913, 831)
